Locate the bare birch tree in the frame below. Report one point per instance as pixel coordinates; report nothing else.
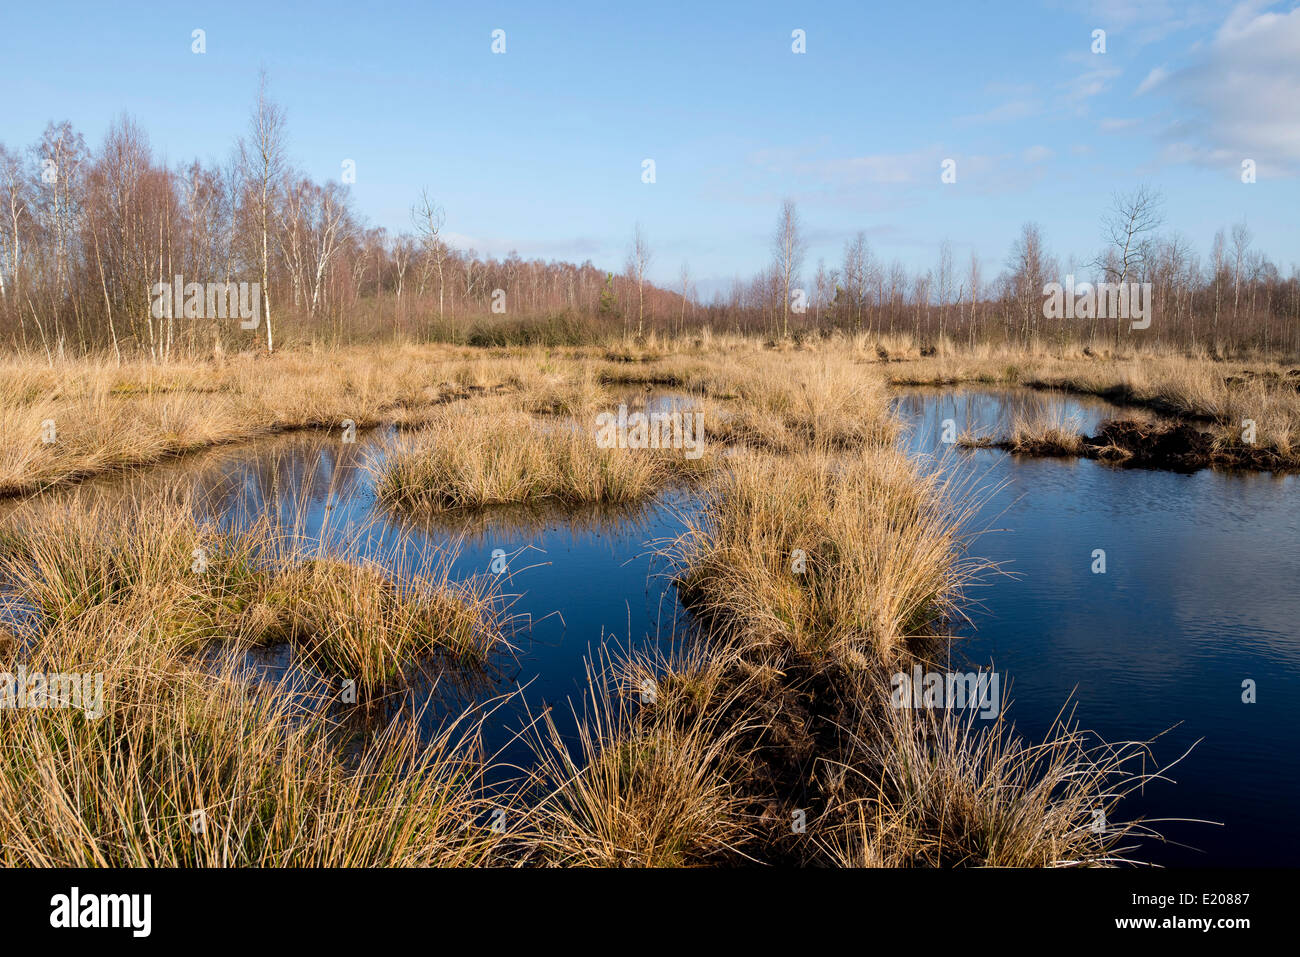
(1131, 219)
(638, 261)
(788, 247)
(429, 219)
(262, 161)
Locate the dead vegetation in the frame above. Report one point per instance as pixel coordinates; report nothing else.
(823, 559)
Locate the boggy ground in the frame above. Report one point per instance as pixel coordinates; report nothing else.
(1140, 443)
(1242, 414)
(102, 416)
(767, 737)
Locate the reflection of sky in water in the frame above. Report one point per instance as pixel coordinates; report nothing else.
(991, 412)
(1200, 593)
(576, 578)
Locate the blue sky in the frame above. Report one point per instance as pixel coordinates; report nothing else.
(540, 149)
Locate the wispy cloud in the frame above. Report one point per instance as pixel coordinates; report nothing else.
(1087, 85)
(1153, 80)
(1139, 23)
(1238, 95)
(1004, 113)
(1113, 124)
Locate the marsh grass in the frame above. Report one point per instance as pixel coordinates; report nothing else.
(1047, 430)
(885, 547)
(192, 768)
(361, 621)
(947, 789)
(346, 614)
(812, 401)
(577, 394)
(276, 770)
(1187, 388)
(777, 705)
(478, 527)
(880, 545)
(77, 557)
(501, 457)
(1139, 439)
(109, 417)
(639, 789)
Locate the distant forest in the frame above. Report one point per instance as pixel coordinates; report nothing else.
(85, 234)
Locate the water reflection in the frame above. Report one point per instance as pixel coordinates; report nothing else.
(993, 412)
(574, 578)
(1199, 595)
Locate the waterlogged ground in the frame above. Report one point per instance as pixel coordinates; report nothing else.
(571, 579)
(1199, 594)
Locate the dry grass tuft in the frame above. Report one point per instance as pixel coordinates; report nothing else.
(191, 583)
(878, 544)
(947, 789)
(190, 768)
(500, 457)
(643, 790)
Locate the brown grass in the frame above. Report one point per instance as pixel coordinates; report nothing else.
(640, 791)
(880, 546)
(192, 768)
(1194, 388)
(79, 559)
(775, 709)
(497, 457)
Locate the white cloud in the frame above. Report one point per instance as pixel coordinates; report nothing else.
(1153, 80)
(1087, 85)
(841, 178)
(1142, 22)
(1240, 93)
(1113, 124)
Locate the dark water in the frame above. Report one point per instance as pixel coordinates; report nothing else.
(1199, 594)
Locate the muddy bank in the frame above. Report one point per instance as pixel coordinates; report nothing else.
(1177, 446)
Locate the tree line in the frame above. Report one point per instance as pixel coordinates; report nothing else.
(85, 234)
(1237, 298)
